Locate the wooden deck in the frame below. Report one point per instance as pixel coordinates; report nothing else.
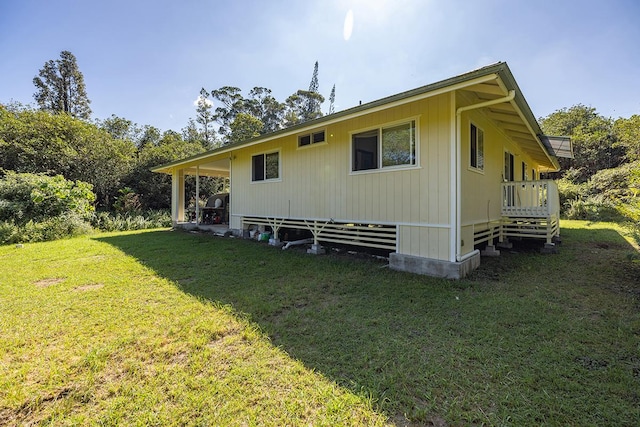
(530, 199)
(530, 209)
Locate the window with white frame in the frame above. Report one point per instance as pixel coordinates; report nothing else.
(525, 170)
(476, 144)
(311, 138)
(265, 166)
(388, 146)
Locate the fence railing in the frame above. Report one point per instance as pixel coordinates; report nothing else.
(538, 199)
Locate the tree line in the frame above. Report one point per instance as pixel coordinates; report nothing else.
(602, 181)
(115, 155)
(239, 118)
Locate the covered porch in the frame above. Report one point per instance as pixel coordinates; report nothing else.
(189, 209)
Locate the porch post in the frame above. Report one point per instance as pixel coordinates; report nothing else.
(177, 196)
(197, 195)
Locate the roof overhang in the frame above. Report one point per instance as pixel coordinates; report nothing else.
(514, 118)
(491, 82)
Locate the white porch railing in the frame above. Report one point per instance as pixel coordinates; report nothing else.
(532, 199)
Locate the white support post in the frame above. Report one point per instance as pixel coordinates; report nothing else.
(197, 201)
(316, 248)
(177, 196)
(275, 226)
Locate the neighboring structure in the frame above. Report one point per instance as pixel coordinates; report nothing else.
(429, 174)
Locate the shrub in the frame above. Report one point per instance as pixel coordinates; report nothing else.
(35, 207)
(8, 229)
(107, 221)
(28, 197)
(617, 183)
(128, 201)
(569, 191)
(58, 227)
(593, 209)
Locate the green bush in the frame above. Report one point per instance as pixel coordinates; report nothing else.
(8, 231)
(107, 221)
(35, 207)
(28, 197)
(570, 191)
(593, 209)
(619, 183)
(58, 227)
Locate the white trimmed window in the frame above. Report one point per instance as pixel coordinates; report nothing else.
(265, 167)
(311, 138)
(476, 145)
(389, 146)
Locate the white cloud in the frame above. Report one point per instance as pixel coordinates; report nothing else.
(206, 101)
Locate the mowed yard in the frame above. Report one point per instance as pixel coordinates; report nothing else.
(172, 328)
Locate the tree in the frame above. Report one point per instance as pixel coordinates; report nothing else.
(305, 105)
(297, 107)
(313, 108)
(60, 87)
(332, 100)
(266, 113)
(263, 106)
(593, 137)
(206, 118)
(149, 135)
(154, 189)
(231, 103)
(245, 127)
(33, 141)
(628, 134)
(190, 132)
(120, 128)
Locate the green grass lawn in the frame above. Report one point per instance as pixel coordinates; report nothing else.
(172, 328)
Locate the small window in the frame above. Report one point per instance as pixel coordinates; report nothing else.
(533, 174)
(525, 169)
(304, 140)
(388, 146)
(265, 166)
(318, 137)
(477, 147)
(311, 138)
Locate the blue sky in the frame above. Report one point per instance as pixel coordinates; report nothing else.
(146, 60)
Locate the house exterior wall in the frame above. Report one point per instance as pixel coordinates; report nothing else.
(316, 181)
(481, 196)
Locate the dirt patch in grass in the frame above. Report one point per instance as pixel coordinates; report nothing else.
(50, 281)
(401, 420)
(89, 287)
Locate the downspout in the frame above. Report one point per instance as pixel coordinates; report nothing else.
(459, 111)
(230, 204)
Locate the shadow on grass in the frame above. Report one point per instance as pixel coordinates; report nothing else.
(472, 351)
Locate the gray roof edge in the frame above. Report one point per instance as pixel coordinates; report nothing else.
(510, 82)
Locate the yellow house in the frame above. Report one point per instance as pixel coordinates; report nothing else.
(430, 174)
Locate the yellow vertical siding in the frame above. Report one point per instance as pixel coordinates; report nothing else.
(317, 182)
(481, 192)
